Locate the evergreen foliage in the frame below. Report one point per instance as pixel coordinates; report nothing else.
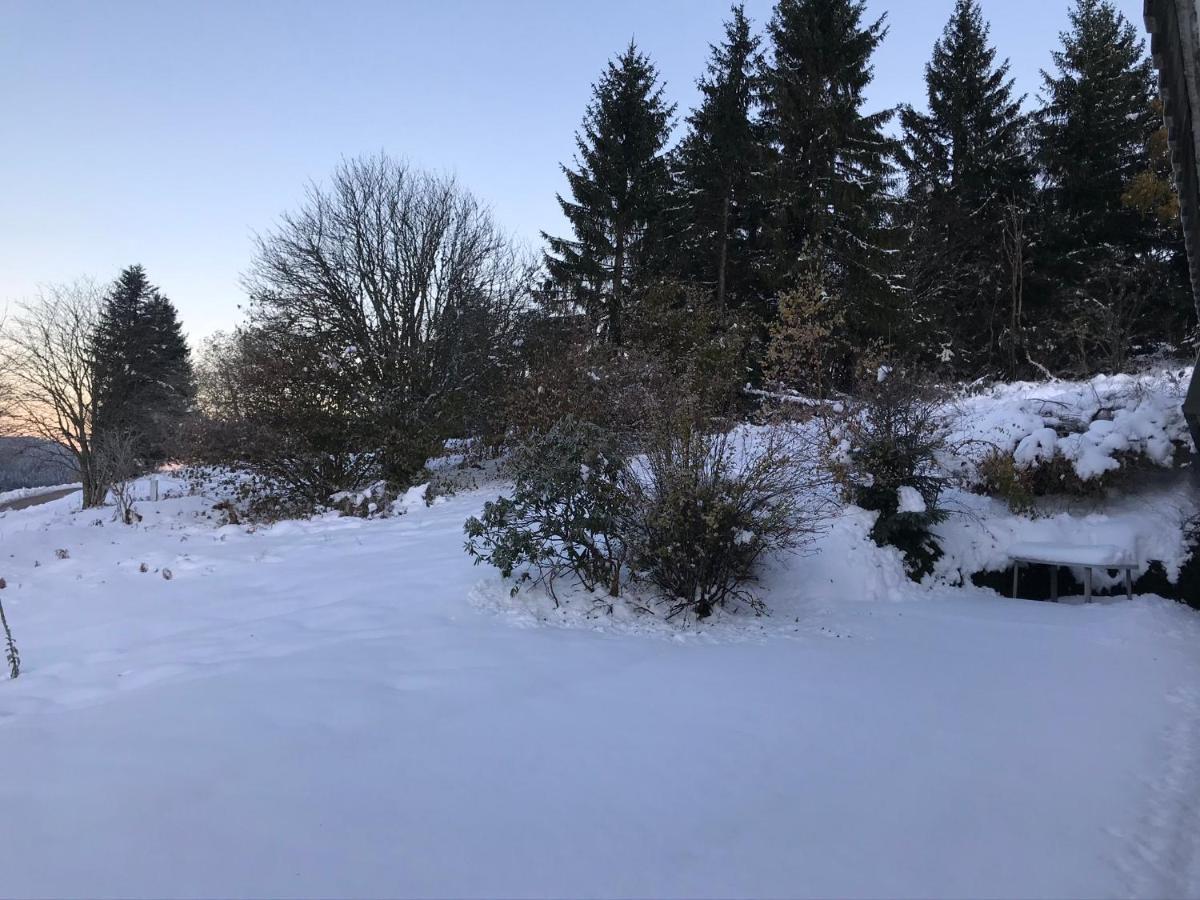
(144, 383)
(567, 512)
(966, 167)
(1110, 272)
(808, 350)
(831, 161)
(719, 162)
(619, 194)
(1094, 128)
(884, 448)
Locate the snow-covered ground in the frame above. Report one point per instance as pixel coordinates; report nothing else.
(349, 707)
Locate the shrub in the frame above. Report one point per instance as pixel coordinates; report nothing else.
(565, 516)
(884, 448)
(375, 501)
(998, 476)
(692, 518)
(609, 387)
(283, 415)
(678, 345)
(808, 349)
(708, 505)
(11, 656)
(117, 467)
(707, 355)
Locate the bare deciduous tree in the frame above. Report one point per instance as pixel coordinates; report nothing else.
(117, 467)
(218, 376)
(400, 292)
(47, 362)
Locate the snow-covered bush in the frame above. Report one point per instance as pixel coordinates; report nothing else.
(260, 499)
(708, 504)
(566, 514)
(884, 448)
(375, 500)
(1026, 441)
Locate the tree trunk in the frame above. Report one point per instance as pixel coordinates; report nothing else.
(723, 258)
(95, 491)
(614, 306)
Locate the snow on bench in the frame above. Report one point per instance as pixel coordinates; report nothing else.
(1097, 555)
(1084, 556)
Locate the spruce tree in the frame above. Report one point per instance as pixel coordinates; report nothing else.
(1107, 268)
(965, 166)
(619, 189)
(143, 374)
(1096, 123)
(718, 165)
(831, 168)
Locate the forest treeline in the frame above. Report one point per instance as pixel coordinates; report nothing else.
(973, 231)
(782, 234)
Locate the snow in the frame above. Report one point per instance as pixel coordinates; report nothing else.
(348, 707)
(1071, 554)
(911, 500)
(1036, 448)
(1090, 424)
(1150, 524)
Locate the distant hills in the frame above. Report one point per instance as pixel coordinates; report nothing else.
(31, 462)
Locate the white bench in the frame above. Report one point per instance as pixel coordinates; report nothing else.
(1086, 556)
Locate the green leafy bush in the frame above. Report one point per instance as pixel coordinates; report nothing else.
(567, 513)
(692, 517)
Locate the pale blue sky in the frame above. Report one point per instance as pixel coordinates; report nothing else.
(167, 133)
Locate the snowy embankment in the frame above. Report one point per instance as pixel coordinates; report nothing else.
(335, 707)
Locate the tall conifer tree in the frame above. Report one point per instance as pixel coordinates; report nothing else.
(1109, 271)
(832, 169)
(143, 373)
(1096, 123)
(966, 168)
(619, 189)
(719, 164)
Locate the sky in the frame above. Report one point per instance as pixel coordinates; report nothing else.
(169, 133)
